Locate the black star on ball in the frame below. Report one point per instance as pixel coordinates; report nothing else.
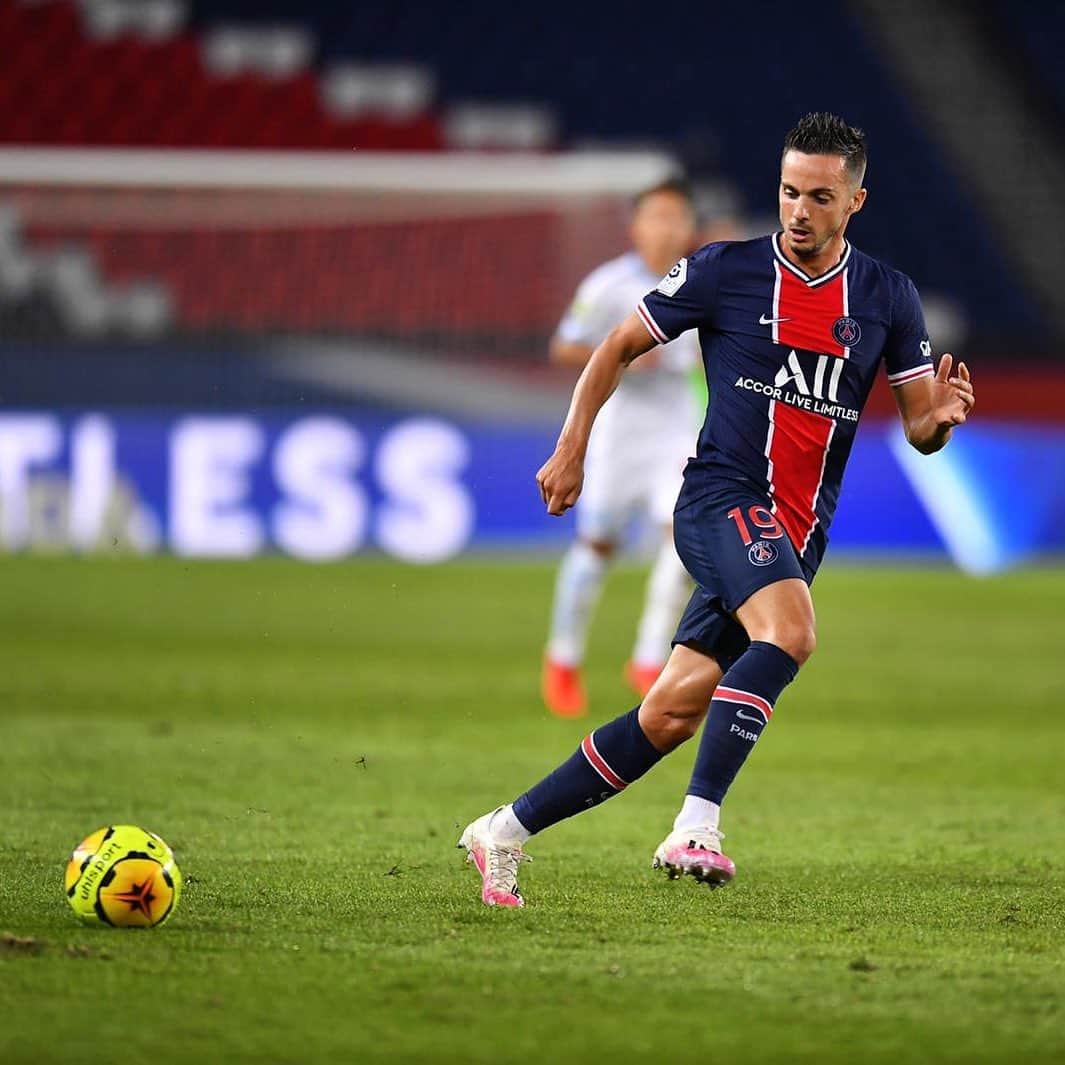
(138, 896)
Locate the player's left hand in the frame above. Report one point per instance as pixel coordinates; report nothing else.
(952, 397)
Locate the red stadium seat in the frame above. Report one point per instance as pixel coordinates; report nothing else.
(71, 89)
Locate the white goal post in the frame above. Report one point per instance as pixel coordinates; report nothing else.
(475, 252)
(562, 174)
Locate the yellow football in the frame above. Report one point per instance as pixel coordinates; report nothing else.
(123, 876)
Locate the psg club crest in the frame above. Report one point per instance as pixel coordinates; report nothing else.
(847, 332)
(762, 552)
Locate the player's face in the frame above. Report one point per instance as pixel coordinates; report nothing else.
(817, 199)
(663, 229)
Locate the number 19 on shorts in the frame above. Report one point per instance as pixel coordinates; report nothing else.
(768, 528)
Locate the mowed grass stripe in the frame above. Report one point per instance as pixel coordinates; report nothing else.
(312, 739)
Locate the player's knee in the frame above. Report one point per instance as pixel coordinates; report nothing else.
(683, 730)
(668, 729)
(671, 714)
(797, 640)
(603, 548)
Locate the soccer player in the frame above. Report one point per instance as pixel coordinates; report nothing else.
(794, 329)
(636, 454)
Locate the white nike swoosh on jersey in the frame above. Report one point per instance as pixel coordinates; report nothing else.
(770, 321)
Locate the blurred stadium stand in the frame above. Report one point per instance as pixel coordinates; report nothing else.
(1007, 146)
(226, 205)
(78, 76)
(1035, 30)
(314, 76)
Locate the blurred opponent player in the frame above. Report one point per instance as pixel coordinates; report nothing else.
(636, 453)
(794, 328)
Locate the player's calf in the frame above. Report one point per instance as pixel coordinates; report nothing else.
(677, 702)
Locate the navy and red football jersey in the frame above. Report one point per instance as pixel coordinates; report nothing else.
(790, 360)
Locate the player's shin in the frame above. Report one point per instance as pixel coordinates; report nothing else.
(739, 711)
(668, 589)
(608, 760)
(577, 591)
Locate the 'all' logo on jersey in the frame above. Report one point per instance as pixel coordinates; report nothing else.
(824, 384)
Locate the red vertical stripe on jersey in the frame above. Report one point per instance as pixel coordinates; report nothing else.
(797, 450)
(809, 313)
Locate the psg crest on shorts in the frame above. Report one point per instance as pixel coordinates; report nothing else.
(762, 553)
(847, 332)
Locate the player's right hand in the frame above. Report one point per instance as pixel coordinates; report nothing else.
(560, 479)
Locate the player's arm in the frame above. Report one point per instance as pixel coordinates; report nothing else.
(561, 477)
(575, 356)
(931, 406)
(594, 311)
(683, 300)
(567, 353)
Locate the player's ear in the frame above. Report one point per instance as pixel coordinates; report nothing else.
(857, 200)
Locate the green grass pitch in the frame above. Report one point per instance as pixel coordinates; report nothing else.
(311, 740)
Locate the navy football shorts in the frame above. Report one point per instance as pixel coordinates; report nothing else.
(732, 545)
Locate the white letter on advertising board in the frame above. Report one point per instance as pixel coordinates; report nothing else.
(428, 515)
(25, 440)
(324, 514)
(92, 478)
(209, 483)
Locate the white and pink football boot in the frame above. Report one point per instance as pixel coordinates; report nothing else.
(695, 852)
(497, 861)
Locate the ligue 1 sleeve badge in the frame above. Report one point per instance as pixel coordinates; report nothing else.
(847, 332)
(674, 279)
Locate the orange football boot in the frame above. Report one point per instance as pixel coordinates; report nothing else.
(640, 678)
(563, 689)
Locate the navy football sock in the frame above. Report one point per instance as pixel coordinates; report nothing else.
(607, 761)
(740, 709)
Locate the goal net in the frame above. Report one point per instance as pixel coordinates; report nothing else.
(470, 256)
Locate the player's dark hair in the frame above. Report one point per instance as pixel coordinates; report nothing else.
(676, 186)
(820, 133)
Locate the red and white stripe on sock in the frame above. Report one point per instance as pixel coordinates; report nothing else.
(600, 765)
(736, 695)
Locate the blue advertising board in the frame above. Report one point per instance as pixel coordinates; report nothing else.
(330, 484)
